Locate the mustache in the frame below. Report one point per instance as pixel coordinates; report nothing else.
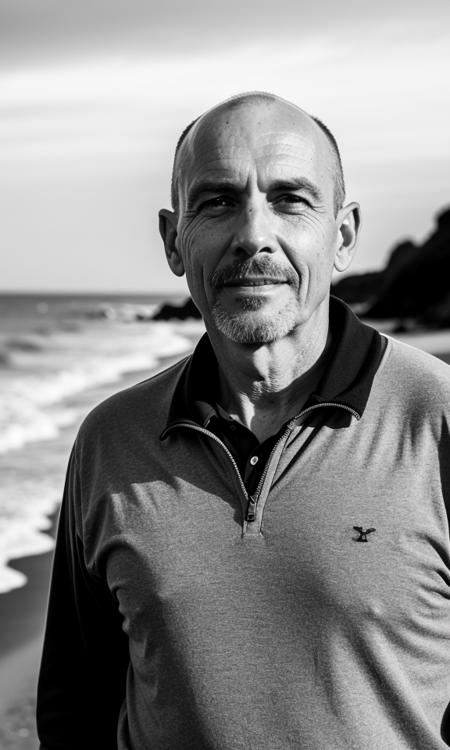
(254, 267)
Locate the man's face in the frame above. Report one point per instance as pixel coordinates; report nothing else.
(256, 231)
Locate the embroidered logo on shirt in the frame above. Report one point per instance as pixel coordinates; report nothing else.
(363, 533)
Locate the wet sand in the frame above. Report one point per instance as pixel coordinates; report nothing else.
(22, 617)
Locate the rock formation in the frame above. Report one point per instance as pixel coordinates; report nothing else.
(415, 285)
(184, 311)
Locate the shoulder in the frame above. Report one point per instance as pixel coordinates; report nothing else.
(415, 375)
(417, 363)
(145, 404)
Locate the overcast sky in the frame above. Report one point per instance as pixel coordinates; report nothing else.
(94, 93)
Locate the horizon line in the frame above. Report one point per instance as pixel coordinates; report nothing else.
(55, 292)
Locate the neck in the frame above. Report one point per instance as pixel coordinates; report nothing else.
(263, 386)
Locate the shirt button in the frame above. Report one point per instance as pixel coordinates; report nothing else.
(254, 460)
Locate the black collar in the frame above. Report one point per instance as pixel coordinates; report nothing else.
(354, 357)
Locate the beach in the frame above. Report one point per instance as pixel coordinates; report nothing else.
(76, 354)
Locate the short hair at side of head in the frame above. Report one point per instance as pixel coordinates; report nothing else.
(339, 182)
(235, 101)
(174, 181)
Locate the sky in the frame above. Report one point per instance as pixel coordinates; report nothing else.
(94, 94)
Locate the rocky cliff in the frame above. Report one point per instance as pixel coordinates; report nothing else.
(414, 286)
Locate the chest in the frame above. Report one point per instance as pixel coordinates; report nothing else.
(173, 551)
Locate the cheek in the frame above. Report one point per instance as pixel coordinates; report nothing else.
(190, 244)
(307, 231)
(196, 245)
(195, 237)
(311, 250)
(322, 263)
(203, 242)
(308, 243)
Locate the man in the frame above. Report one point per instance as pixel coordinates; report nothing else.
(253, 548)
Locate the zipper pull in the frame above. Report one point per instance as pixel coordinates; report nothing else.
(251, 509)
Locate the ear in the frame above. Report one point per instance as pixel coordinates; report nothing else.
(349, 224)
(168, 221)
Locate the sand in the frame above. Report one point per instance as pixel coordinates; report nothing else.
(22, 616)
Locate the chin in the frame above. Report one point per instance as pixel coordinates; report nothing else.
(253, 326)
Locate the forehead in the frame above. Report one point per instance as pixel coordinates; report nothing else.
(273, 140)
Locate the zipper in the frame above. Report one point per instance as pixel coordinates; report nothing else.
(251, 509)
(252, 500)
(194, 426)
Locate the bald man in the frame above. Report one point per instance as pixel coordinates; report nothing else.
(253, 548)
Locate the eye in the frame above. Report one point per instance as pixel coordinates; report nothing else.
(292, 201)
(216, 204)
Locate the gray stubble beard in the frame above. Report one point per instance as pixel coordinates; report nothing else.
(242, 329)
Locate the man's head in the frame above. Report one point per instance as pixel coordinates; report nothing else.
(258, 222)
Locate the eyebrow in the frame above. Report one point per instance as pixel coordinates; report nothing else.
(223, 186)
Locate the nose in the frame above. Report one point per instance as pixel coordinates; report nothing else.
(254, 231)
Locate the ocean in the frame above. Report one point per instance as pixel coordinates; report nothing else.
(59, 356)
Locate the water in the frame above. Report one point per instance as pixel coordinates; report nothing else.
(59, 356)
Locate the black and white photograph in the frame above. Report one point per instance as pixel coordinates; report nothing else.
(224, 375)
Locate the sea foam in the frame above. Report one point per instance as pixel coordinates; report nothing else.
(23, 522)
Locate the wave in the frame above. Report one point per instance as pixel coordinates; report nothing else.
(17, 345)
(5, 359)
(24, 533)
(32, 409)
(23, 344)
(25, 423)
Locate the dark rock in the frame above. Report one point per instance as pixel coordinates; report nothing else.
(404, 325)
(177, 312)
(414, 286)
(359, 287)
(437, 316)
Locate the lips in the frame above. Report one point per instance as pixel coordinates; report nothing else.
(255, 281)
(254, 272)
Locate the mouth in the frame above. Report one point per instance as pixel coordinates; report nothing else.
(254, 281)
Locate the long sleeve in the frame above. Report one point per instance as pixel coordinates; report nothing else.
(85, 656)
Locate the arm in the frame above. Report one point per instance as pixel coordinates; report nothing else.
(85, 656)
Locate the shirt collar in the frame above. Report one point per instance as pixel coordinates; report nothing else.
(355, 354)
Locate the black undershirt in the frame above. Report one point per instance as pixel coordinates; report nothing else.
(250, 455)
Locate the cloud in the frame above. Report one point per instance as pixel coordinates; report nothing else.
(50, 29)
(382, 107)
